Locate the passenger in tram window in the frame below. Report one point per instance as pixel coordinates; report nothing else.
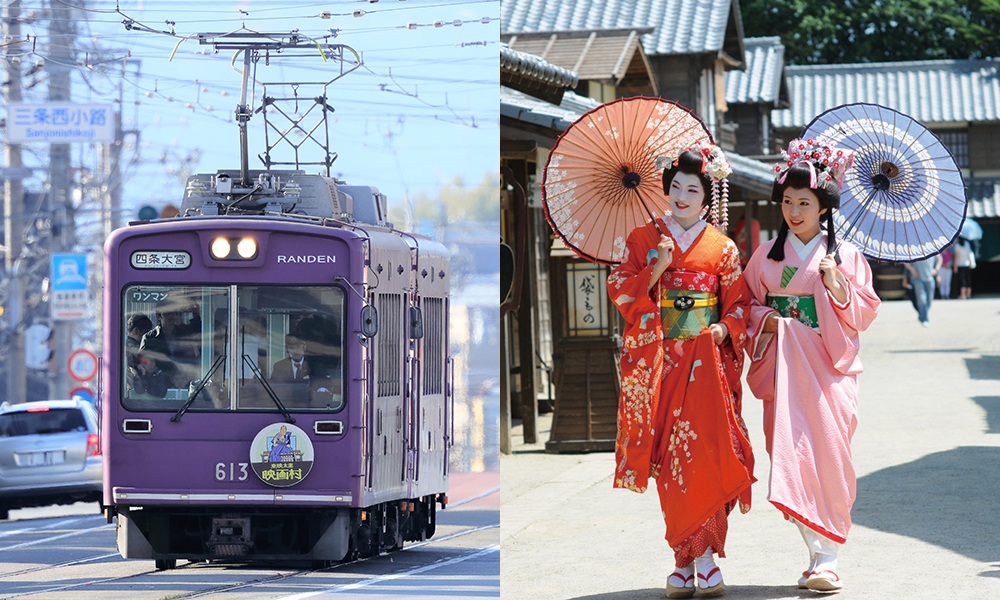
(294, 368)
(147, 378)
(137, 326)
(173, 344)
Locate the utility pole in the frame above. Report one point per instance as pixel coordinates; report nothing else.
(13, 222)
(63, 230)
(111, 198)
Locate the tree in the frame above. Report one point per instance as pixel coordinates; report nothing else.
(454, 203)
(823, 32)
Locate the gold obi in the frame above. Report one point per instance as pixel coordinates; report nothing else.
(686, 313)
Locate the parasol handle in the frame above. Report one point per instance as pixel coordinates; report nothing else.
(651, 217)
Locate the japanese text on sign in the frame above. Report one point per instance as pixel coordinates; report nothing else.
(586, 291)
(142, 296)
(60, 122)
(145, 259)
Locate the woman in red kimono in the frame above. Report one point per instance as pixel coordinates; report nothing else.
(680, 292)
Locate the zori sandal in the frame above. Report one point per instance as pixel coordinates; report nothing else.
(680, 586)
(711, 584)
(824, 581)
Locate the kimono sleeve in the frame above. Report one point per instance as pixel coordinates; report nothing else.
(734, 296)
(759, 311)
(862, 303)
(628, 285)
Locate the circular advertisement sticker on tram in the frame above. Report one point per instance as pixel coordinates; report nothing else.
(281, 455)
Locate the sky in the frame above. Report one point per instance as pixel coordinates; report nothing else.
(419, 112)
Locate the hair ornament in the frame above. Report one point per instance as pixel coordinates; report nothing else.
(819, 156)
(714, 162)
(716, 168)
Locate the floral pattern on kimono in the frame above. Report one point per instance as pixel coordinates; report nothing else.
(681, 400)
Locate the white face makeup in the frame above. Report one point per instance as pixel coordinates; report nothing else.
(802, 213)
(687, 198)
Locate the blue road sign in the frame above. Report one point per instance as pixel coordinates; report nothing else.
(69, 272)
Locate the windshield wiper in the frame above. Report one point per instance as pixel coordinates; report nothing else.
(197, 390)
(267, 388)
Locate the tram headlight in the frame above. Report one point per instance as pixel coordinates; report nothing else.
(247, 248)
(232, 248)
(220, 248)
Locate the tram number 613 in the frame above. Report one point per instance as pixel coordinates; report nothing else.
(220, 472)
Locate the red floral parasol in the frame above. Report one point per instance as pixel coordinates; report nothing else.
(602, 179)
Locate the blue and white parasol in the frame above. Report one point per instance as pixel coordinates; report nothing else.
(904, 199)
(971, 231)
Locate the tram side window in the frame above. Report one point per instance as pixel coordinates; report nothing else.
(166, 363)
(433, 341)
(390, 349)
(296, 348)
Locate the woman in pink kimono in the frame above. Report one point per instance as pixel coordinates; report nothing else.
(812, 294)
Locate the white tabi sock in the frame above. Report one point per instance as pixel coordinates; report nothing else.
(709, 574)
(822, 550)
(682, 577)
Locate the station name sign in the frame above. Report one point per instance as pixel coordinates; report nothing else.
(60, 123)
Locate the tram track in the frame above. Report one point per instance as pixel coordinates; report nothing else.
(241, 585)
(234, 587)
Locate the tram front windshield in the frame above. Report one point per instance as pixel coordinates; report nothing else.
(232, 348)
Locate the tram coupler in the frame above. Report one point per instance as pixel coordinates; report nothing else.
(230, 537)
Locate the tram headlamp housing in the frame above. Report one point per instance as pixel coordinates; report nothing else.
(221, 248)
(234, 248)
(247, 248)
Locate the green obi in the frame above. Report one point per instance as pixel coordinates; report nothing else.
(686, 313)
(801, 308)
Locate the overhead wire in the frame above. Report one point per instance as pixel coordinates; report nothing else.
(140, 50)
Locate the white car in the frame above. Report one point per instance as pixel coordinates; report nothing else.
(50, 453)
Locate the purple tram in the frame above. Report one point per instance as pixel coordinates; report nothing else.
(276, 381)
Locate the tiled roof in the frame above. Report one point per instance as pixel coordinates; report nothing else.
(530, 66)
(763, 80)
(601, 54)
(750, 173)
(513, 104)
(682, 26)
(984, 198)
(526, 109)
(933, 91)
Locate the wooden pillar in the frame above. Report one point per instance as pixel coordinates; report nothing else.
(505, 445)
(526, 315)
(522, 301)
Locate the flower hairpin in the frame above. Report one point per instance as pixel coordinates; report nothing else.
(715, 164)
(815, 153)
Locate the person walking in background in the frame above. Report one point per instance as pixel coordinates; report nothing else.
(924, 279)
(944, 272)
(812, 294)
(679, 290)
(964, 263)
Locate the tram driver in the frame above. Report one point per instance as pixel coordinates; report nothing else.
(295, 368)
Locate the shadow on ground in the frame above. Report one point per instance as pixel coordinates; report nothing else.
(984, 367)
(751, 592)
(991, 404)
(942, 498)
